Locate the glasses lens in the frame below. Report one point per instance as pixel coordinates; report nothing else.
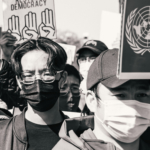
(91, 59)
(75, 91)
(48, 77)
(82, 59)
(27, 78)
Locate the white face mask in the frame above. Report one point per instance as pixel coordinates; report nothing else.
(125, 120)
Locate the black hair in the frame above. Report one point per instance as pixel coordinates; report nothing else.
(57, 55)
(71, 70)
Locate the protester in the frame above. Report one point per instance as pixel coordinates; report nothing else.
(85, 57)
(38, 65)
(9, 92)
(70, 92)
(121, 111)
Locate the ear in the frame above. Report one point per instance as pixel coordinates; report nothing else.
(63, 79)
(18, 82)
(91, 100)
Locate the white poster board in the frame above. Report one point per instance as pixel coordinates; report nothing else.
(70, 50)
(110, 29)
(29, 19)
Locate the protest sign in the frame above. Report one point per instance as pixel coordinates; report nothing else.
(134, 53)
(29, 19)
(70, 50)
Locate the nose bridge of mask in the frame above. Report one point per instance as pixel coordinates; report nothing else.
(126, 108)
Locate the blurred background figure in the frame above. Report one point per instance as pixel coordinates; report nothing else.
(9, 91)
(85, 57)
(70, 92)
(69, 37)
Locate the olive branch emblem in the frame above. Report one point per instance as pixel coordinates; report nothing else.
(130, 39)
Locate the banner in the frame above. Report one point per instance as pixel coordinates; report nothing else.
(29, 19)
(70, 50)
(134, 53)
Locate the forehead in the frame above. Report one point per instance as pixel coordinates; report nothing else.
(132, 84)
(86, 53)
(36, 59)
(71, 79)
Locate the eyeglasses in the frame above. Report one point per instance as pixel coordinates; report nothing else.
(85, 59)
(76, 92)
(45, 76)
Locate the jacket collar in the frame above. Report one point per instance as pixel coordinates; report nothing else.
(19, 127)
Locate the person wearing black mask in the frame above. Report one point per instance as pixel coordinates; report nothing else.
(39, 66)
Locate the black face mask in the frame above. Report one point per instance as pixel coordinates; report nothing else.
(41, 96)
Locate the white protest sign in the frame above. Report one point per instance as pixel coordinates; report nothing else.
(72, 114)
(70, 50)
(29, 19)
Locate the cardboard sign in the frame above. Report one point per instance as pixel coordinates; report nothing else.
(29, 19)
(70, 50)
(135, 41)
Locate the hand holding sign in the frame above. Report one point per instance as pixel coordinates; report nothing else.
(46, 28)
(13, 27)
(30, 29)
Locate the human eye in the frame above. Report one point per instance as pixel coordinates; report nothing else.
(92, 58)
(27, 75)
(120, 95)
(141, 95)
(64, 87)
(82, 58)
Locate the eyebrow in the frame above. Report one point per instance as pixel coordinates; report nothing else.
(142, 87)
(118, 89)
(75, 84)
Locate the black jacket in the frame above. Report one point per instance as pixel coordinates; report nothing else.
(13, 135)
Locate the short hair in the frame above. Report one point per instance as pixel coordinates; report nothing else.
(71, 70)
(57, 55)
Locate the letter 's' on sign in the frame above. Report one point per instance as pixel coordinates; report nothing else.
(134, 56)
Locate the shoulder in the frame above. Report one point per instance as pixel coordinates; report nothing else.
(5, 124)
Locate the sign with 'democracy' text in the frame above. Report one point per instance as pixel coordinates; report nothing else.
(30, 19)
(134, 56)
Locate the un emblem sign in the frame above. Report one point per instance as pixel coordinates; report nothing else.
(137, 30)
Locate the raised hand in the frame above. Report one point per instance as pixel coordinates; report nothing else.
(30, 29)
(46, 28)
(14, 27)
(7, 42)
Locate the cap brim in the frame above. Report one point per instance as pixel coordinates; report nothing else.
(114, 82)
(90, 48)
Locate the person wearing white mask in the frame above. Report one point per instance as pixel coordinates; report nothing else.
(85, 57)
(121, 111)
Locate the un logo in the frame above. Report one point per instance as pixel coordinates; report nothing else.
(138, 30)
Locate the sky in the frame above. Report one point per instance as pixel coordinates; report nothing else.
(83, 16)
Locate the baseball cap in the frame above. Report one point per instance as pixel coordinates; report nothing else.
(104, 70)
(93, 45)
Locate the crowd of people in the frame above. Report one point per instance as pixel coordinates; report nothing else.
(35, 79)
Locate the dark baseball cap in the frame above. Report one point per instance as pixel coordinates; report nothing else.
(104, 70)
(93, 45)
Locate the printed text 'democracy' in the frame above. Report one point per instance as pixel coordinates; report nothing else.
(25, 4)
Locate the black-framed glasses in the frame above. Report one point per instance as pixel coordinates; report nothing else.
(45, 76)
(82, 60)
(76, 92)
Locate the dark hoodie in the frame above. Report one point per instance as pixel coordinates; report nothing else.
(77, 134)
